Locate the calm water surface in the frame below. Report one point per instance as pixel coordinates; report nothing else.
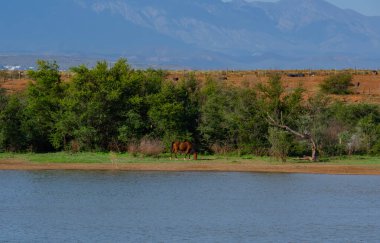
(58, 206)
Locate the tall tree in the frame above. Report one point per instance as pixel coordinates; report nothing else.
(287, 111)
(92, 105)
(106, 106)
(230, 117)
(43, 103)
(12, 136)
(174, 110)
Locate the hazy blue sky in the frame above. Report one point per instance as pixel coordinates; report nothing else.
(367, 7)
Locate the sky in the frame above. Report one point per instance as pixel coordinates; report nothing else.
(366, 7)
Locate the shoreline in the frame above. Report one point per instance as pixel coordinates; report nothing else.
(181, 166)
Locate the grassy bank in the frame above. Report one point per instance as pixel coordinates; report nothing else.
(125, 158)
(106, 158)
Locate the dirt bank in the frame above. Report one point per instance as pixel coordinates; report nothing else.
(11, 164)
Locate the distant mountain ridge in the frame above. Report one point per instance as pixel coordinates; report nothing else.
(199, 34)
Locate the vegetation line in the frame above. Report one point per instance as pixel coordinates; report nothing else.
(120, 109)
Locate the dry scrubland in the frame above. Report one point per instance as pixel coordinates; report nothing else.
(366, 82)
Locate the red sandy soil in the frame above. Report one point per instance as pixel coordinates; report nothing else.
(306, 168)
(14, 85)
(367, 91)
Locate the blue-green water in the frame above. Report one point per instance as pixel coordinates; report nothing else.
(57, 206)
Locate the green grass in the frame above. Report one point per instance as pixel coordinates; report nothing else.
(96, 157)
(85, 157)
(355, 160)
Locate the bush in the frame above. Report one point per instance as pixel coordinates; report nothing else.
(218, 148)
(279, 140)
(151, 147)
(133, 148)
(337, 84)
(375, 150)
(299, 148)
(148, 147)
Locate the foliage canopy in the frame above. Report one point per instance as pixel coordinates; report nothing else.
(115, 107)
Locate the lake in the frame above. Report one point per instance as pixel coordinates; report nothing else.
(56, 206)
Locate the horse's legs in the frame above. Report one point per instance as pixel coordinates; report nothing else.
(175, 154)
(187, 152)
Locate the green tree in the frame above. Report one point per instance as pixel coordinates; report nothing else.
(287, 112)
(282, 106)
(43, 103)
(174, 111)
(217, 125)
(248, 114)
(360, 123)
(106, 106)
(142, 85)
(3, 99)
(91, 109)
(350, 114)
(3, 104)
(231, 118)
(12, 137)
(368, 129)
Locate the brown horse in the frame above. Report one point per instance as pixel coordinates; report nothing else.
(185, 147)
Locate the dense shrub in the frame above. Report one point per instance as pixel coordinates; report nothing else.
(147, 147)
(337, 84)
(151, 147)
(280, 143)
(12, 135)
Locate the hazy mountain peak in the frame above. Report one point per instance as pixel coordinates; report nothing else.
(287, 33)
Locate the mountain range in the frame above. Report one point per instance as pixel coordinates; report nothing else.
(198, 34)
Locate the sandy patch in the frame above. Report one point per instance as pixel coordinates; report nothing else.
(11, 164)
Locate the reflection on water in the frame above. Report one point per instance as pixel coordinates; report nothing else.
(193, 207)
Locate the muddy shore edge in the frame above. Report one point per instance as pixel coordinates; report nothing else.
(214, 166)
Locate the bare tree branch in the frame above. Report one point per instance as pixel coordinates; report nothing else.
(272, 122)
(308, 137)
